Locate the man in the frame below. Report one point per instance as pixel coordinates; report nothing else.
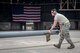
(64, 28)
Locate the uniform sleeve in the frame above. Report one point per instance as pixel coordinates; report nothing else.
(55, 18)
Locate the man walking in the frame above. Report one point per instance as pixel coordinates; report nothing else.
(64, 28)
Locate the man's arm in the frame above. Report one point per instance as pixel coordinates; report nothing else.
(53, 26)
(60, 26)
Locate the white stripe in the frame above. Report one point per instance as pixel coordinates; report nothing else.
(32, 10)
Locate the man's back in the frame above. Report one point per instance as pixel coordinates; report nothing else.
(60, 18)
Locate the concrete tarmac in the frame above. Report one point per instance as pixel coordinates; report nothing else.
(38, 44)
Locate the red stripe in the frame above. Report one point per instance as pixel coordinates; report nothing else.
(31, 10)
(32, 7)
(32, 13)
(25, 15)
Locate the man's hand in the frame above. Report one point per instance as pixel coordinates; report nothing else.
(53, 26)
(50, 31)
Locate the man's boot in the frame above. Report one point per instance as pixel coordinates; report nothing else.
(58, 46)
(70, 42)
(60, 42)
(71, 47)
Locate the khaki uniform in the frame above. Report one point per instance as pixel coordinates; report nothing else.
(65, 28)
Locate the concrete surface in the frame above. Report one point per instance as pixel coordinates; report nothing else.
(38, 44)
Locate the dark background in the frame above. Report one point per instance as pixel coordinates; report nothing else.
(7, 9)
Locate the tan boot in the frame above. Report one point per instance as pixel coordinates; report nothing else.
(57, 46)
(71, 47)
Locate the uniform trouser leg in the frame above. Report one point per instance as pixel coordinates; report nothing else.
(65, 32)
(67, 37)
(61, 39)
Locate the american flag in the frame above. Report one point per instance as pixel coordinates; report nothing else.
(30, 14)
